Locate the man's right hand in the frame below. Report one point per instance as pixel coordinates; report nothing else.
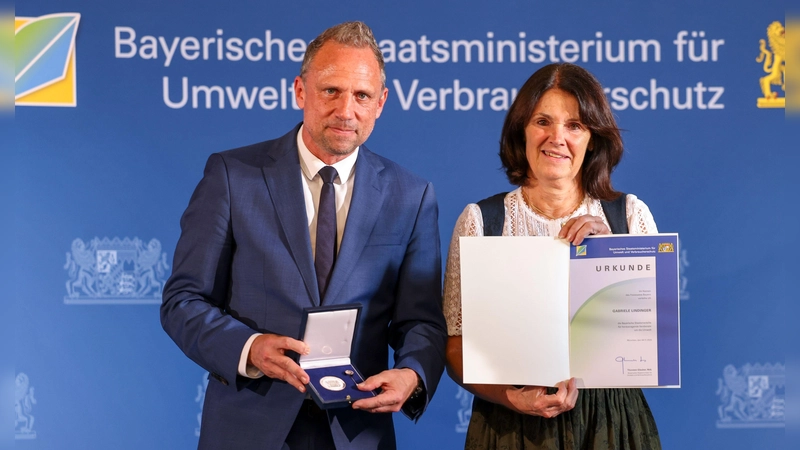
(268, 354)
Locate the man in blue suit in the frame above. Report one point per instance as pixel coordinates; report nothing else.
(244, 267)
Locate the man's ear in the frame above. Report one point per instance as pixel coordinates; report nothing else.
(382, 101)
(299, 91)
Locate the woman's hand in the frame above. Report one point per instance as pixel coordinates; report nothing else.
(534, 400)
(579, 227)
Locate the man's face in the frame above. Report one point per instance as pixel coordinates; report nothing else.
(341, 96)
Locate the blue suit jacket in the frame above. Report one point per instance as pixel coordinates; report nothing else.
(243, 264)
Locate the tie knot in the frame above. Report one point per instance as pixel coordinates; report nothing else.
(328, 174)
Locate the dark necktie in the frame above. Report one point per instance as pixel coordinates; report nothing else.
(325, 254)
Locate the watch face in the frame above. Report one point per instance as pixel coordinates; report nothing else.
(418, 391)
(332, 383)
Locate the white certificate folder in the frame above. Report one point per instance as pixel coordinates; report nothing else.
(537, 310)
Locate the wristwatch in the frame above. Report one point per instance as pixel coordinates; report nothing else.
(415, 404)
(418, 390)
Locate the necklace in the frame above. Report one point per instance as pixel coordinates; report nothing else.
(543, 214)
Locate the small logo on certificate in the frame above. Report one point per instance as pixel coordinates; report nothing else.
(580, 250)
(666, 247)
(332, 383)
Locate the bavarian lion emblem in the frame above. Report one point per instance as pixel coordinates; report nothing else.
(774, 61)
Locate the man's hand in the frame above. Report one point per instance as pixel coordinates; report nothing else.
(534, 400)
(268, 354)
(396, 386)
(579, 227)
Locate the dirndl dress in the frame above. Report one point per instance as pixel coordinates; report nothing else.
(602, 419)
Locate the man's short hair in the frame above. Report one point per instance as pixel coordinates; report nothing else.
(350, 34)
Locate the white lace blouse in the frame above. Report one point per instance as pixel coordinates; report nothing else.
(521, 220)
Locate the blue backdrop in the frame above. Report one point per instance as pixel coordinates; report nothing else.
(105, 160)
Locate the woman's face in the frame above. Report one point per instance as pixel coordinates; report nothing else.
(556, 139)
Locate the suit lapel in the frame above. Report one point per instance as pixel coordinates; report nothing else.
(365, 205)
(282, 175)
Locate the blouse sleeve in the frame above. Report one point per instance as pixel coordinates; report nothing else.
(469, 223)
(640, 220)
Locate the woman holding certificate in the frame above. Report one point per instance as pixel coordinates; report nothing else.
(559, 144)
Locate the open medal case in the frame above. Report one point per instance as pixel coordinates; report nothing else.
(330, 332)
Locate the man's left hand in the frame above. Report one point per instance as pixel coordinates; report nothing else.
(396, 385)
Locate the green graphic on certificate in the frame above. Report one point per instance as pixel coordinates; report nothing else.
(613, 340)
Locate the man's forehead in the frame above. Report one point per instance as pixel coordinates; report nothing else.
(355, 70)
(335, 56)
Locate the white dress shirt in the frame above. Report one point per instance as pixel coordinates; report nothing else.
(312, 187)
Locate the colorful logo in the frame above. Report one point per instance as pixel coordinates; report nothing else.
(580, 250)
(44, 59)
(666, 247)
(774, 60)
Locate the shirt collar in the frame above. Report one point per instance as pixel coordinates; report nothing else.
(310, 164)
